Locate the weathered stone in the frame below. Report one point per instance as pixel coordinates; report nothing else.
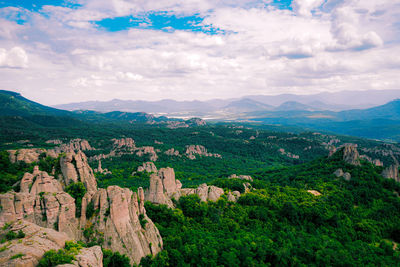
(36, 242)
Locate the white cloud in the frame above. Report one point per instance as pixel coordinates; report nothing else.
(304, 7)
(16, 57)
(350, 44)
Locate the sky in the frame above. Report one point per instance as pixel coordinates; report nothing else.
(62, 51)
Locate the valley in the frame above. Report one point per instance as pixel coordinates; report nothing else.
(123, 189)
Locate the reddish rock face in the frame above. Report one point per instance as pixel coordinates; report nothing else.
(350, 154)
(75, 168)
(392, 172)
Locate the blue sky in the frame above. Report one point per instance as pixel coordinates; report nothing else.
(67, 51)
(158, 20)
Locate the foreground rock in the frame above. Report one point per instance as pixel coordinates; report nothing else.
(121, 220)
(32, 247)
(117, 217)
(87, 257)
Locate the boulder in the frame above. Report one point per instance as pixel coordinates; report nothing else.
(314, 192)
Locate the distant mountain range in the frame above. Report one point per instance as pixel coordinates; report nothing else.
(323, 101)
(380, 122)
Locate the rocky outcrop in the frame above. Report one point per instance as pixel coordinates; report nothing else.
(32, 247)
(126, 143)
(314, 192)
(87, 257)
(288, 154)
(39, 181)
(26, 155)
(121, 219)
(233, 196)
(392, 172)
(164, 187)
(193, 150)
(99, 169)
(117, 215)
(340, 173)
(195, 122)
(242, 177)
(350, 154)
(51, 210)
(75, 168)
(172, 152)
(141, 151)
(147, 167)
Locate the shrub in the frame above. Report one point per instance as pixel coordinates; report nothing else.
(114, 259)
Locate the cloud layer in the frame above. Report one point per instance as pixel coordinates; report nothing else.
(60, 54)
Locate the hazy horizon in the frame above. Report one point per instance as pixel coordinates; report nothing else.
(76, 50)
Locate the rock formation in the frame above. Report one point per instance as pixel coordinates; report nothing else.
(193, 150)
(340, 173)
(233, 196)
(119, 216)
(172, 152)
(87, 257)
(99, 169)
(147, 150)
(392, 172)
(36, 242)
(164, 187)
(119, 219)
(27, 155)
(124, 143)
(314, 192)
(39, 181)
(75, 168)
(147, 167)
(350, 154)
